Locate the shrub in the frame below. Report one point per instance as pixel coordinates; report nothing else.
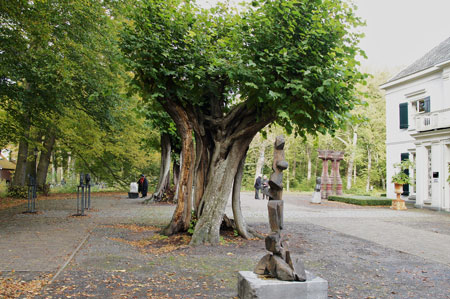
(362, 200)
(18, 191)
(44, 189)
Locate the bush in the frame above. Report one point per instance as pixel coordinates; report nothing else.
(18, 191)
(3, 188)
(362, 200)
(44, 189)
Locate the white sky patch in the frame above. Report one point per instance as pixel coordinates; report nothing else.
(398, 32)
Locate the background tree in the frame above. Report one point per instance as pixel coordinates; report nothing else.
(56, 56)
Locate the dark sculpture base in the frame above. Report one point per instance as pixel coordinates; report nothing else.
(133, 195)
(79, 214)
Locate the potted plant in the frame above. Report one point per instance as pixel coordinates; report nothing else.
(400, 179)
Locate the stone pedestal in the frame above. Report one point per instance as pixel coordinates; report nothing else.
(250, 286)
(316, 198)
(398, 204)
(337, 158)
(323, 155)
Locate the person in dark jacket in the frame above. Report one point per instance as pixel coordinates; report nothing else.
(265, 187)
(143, 186)
(258, 186)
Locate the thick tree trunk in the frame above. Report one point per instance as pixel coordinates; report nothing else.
(164, 170)
(21, 167)
(201, 171)
(44, 159)
(369, 168)
(241, 226)
(182, 215)
(224, 164)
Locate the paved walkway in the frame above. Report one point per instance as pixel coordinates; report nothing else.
(44, 241)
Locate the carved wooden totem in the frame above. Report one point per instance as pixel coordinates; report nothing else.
(279, 263)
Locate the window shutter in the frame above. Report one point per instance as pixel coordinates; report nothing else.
(403, 157)
(427, 104)
(403, 108)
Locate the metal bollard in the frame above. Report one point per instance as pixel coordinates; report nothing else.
(31, 204)
(88, 191)
(80, 201)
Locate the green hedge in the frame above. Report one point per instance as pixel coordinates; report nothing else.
(362, 200)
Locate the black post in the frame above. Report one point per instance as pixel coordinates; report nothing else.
(80, 201)
(88, 191)
(31, 206)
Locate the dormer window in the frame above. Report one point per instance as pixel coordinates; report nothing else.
(422, 105)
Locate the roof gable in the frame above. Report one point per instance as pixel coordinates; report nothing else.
(437, 55)
(5, 164)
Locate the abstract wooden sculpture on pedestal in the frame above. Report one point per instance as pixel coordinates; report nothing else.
(279, 263)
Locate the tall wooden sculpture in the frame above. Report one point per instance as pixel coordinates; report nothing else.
(278, 263)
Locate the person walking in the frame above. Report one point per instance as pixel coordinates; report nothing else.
(143, 186)
(258, 186)
(265, 186)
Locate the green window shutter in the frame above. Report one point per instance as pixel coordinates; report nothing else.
(403, 108)
(427, 104)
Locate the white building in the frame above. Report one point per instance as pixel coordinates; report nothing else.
(418, 127)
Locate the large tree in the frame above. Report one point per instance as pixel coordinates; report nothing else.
(55, 56)
(224, 76)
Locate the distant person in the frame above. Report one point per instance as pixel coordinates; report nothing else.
(63, 181)
(265, 186)
(258, 186)
(143, 186)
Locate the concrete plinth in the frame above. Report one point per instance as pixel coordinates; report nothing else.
(398, 204)
(316, 198)
(250, 286)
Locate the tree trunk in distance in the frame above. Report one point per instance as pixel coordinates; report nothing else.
(308, 158)
(352, 160)
(260, 163)
(44, 159)
(176, 176)
(294, 165)
(176, 171)
(369, 168)
(243, 229)
(54, 167)
(164, 169)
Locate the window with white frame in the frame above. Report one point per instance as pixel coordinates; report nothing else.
(422, 105)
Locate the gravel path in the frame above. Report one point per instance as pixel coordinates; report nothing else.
(362, 252)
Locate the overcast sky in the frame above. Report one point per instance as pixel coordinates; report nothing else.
(398, 31)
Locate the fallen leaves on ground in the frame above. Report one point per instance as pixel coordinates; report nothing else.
(134, 227)
(158, 244)
(6, 203)
(15, 288)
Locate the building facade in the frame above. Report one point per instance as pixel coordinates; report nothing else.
(418, 127)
